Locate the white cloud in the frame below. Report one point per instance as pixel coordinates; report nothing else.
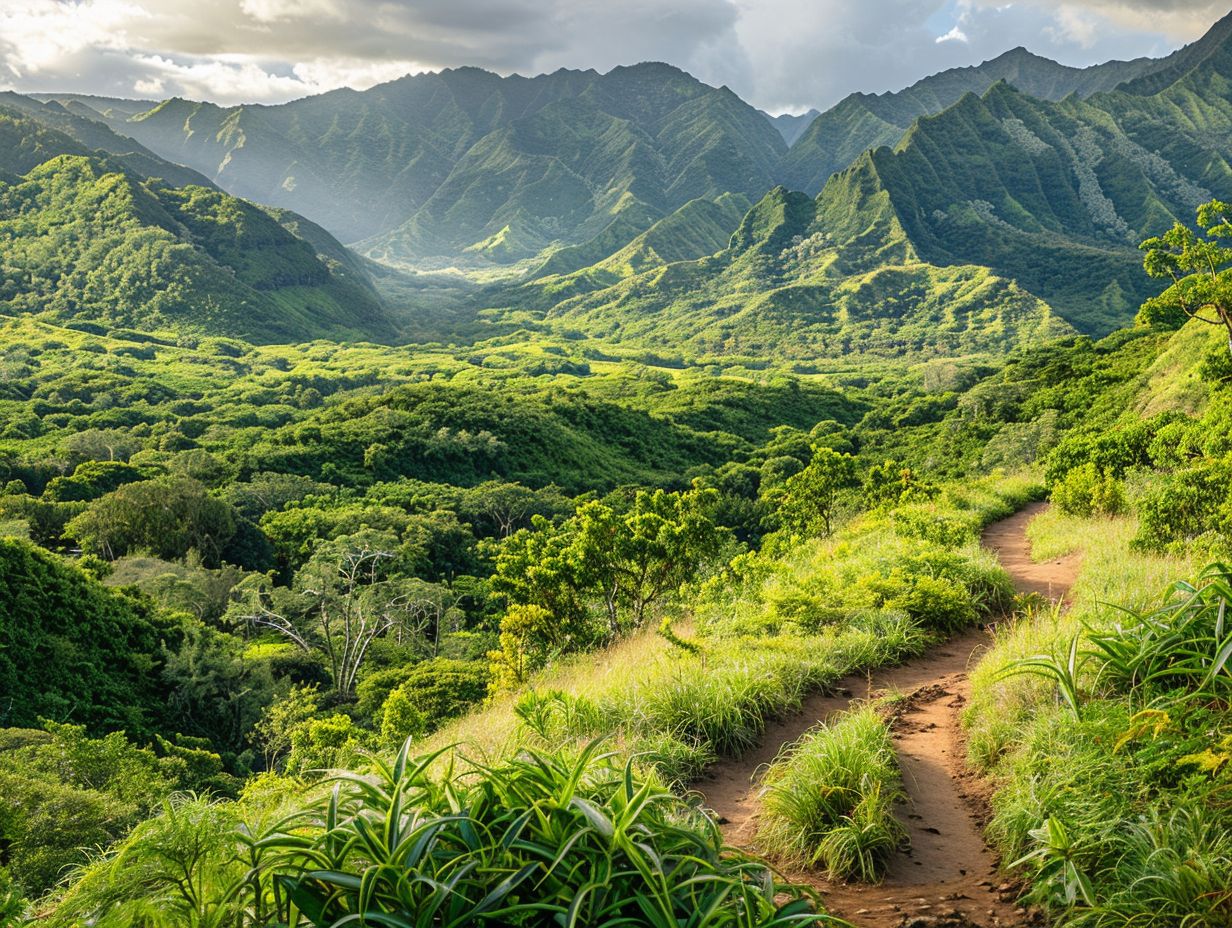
(1075, 26)
(38, 35)
(272, 11)
(779, 54)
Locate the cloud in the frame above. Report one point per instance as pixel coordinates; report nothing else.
(779, 54)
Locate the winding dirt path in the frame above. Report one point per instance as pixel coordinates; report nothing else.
(949, 877)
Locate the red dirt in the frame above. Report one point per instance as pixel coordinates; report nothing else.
(949, 877)
(1008, 540)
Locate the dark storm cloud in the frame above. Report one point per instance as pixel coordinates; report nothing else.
(780, 54)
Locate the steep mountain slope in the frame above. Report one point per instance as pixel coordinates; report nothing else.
(468, 163)
(85, 236)
(863, 121)
(92, 135)
(782, 289)
(1003, 218)
(699, 228)
(1055, 196)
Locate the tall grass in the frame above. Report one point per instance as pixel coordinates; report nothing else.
(1114, 773)
(829, 799)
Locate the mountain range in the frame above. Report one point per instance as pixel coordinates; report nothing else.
(974, 210)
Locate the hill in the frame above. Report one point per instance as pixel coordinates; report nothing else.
(86, 234)
(1001, 219)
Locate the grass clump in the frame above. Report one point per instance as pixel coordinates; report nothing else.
(829, 799)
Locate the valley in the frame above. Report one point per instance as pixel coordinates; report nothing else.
(589, 499)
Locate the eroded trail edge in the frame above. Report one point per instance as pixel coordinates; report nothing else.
(949, 877)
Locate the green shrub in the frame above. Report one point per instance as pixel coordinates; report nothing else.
(401, 718)
(541, 838)
(330, 743)
(937, 603)
(1086, 491)
(1186, 505)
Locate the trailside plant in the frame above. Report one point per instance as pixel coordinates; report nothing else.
(829, 799)
(543, 839)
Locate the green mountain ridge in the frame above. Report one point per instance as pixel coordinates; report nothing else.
(86, 235)
(1003, 218)
(468, 165)
(862, 121)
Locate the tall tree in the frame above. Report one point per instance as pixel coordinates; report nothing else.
(346, 597)
(1200, 268)
(637, 558)
(809, 498)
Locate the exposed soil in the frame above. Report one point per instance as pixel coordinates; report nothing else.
(1008, 540)
(949, 878)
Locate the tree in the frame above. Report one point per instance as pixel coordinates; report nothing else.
(810, 497)
(499, 509)
(891, 483)
(1200, 268)
(168, 516)
(637, 558)
(537, 567)
(529, 637)
(274, 729)
(214, 692)
(345, 598)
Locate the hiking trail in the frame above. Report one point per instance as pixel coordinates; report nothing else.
(949, 877)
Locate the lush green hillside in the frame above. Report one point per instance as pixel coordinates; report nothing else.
(698, 229)
(782, 288)
(999, 220)
(86, 237)
(90, 136)
(1053, 196)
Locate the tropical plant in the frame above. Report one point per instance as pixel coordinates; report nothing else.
(540, 839)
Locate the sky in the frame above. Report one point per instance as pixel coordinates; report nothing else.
(780, 55)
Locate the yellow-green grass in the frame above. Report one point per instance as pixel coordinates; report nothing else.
(756, 659)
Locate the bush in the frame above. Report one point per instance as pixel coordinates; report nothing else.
(1185, 506)
(544, 837)
(1086, 491)
(401, 718)
(937, 603)
(441, 689)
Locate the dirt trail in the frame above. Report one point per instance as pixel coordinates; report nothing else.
(949, 877)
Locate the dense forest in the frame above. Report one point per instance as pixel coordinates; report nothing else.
(345, 586)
